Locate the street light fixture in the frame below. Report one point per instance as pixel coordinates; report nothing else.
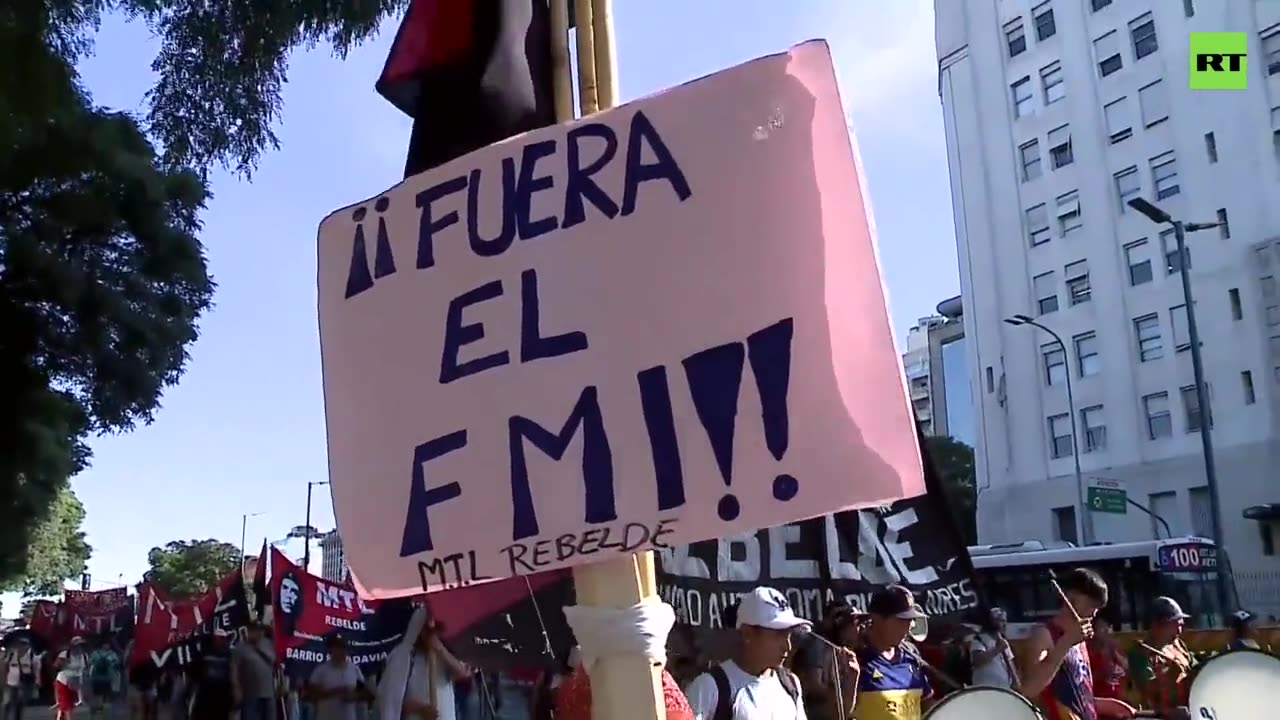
(311, 532)
(1180, 230)
(244, 525)
(1085, 520)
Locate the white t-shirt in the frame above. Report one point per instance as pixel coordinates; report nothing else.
(417, 687)
(73, 668)
(754, 698)
(995, 672)
(328, 676)
(17, 665)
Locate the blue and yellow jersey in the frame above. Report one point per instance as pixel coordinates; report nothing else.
(890, 688)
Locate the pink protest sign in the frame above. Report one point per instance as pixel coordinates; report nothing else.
(660, 324)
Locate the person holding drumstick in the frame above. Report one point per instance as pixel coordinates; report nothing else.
(1160, 666)
(1056, 663)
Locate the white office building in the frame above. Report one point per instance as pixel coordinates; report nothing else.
(1056, 113)
(333, 560)
(915, 365)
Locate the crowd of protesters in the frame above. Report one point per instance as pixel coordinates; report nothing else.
(854, 665)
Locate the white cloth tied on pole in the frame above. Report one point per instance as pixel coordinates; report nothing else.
(608, 632)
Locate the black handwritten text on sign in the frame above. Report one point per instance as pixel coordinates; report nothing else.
(713, 376)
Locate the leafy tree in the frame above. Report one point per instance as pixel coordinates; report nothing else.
(953, 461)
(191, 567)
(102, 278)
(57, 550)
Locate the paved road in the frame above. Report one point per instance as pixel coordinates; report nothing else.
(119, 711)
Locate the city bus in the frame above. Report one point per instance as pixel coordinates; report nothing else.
(1016, 578)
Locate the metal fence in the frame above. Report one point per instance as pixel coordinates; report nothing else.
(1259, 592)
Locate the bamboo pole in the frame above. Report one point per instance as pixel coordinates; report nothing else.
(588, 101)
(622, 688)
(561, 69)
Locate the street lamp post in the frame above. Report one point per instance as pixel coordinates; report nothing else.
(306, 550)
(1085, 521)
(1180, 230)
(244, 526)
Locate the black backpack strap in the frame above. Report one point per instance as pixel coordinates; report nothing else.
(790, 683)
(724, 694)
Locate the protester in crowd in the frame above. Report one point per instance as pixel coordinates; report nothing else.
(754, 685)
(104, 670)
(170, 692)
(417, 683)
(336, 686)
(547, 689)
(990, 656)
(20, 669)
(573, 698)
(813, 655)
(1244, 632)
(143, 677)
(1056, 662)
(1160, 666)
(71, 665)
(254, 663)
(1108, 664)
(515, 687)
(887, 681)
(211, 684)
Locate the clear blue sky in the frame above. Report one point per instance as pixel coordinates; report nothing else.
(244, 431)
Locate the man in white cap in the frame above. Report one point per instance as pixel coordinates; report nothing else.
(754, 685)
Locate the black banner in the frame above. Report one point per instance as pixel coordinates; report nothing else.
(847, 555)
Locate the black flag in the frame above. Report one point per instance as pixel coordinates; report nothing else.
(470, 73)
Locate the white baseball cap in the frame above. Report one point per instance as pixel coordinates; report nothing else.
(767, 608)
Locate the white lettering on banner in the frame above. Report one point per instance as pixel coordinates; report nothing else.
(508, 391)
(881, 559)
(338, 597)
(344, 623)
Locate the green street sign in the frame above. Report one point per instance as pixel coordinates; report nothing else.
(1108, 500)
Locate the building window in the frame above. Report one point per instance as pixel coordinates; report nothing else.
(1069, 213)
(1246, 385)
(1119, 120)
(1159, 419)
(1128, 186)
(1060, 154)
(1224, 227)
(1045, 26)
(1030, 156)
(1268, 284)
(1046, 290)
(1155, 103)
(1099, 4)
(1263, 257)
(1164, 175)
(1143, 33)
(1107, 50)
(1237, 312)
(1023, 100)
(1064, 525)
(1178, 320)
(1088, 361)
(1094, 426)
(1060, 436)
(1273, 315)
(1055, 364)
(991, 380)
(1201, 512)
(1172, 262)
(1211, 147)
(1014, 38)
(1271, 53)
(1051, 79)
(1077, 278)
(1150, 343)
(1189, 8)
(1191, 408)
(1038, 224)
(1135, 254)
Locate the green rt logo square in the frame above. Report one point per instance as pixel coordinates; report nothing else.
(1219, 61)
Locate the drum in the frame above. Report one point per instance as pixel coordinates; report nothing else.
(1238, 685)
(988, 703)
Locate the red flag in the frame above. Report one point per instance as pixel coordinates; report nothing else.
(470, 73)
(261, 595)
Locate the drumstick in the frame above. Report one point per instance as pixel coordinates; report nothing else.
(1053, 580)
